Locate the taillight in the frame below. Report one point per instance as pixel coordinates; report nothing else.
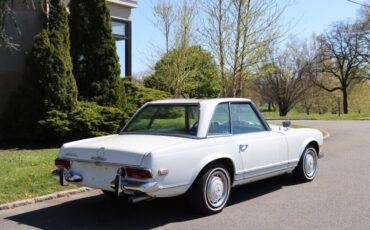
(61, 163)
(138, 173)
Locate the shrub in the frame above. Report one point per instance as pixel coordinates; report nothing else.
(138, 95)
(87, 120)
(186, 72)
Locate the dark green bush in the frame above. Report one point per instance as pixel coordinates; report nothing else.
(87, 120)
(137, 95)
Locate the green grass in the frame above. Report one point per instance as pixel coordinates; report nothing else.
(27, 173)
(293, 115)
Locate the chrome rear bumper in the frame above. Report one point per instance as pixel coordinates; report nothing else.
(120, 185)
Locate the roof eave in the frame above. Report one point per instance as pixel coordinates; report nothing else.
(126, 3)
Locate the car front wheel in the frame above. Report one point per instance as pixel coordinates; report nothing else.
(211, 191)
(307, 166)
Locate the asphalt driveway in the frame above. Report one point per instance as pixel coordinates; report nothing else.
(339, 198)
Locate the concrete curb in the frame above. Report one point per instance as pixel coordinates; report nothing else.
(39, 199)
(326, 133)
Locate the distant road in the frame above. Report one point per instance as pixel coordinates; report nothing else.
(339, 198)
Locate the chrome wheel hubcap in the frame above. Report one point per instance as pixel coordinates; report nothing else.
(217, 189)
(309, 163)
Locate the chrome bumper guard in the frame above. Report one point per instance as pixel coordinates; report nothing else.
(65, 176)
(123, 186)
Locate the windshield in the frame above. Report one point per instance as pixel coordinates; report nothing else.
(165, 119)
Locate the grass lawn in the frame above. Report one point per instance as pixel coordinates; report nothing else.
(293, 115)
(27, 173)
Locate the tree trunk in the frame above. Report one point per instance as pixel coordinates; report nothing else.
(345, 101)
(269, 107)
(283, 112)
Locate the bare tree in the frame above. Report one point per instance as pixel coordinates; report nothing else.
(164, 12)
(238, 33)
(286, 79)
(340, 57)
(180, 20)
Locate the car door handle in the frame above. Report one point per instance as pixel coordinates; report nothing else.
(242, 148)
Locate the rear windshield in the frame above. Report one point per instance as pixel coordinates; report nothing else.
(165, 119)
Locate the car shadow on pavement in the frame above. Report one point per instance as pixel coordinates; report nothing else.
(99, 212)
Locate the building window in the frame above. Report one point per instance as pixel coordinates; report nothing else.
(122, 33)
(119, 29)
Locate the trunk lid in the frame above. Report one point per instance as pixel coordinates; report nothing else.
(118, 149)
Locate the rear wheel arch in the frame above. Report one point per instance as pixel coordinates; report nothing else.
(210, 191)
(227, 162)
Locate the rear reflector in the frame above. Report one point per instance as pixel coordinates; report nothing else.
(138, 173)
(162, 172)
(60, 163)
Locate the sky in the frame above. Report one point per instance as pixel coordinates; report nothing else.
(305, 17)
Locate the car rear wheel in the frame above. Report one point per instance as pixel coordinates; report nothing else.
(307, 166)
(211, 190)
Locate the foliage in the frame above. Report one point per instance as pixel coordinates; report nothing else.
(50, 62)
(93, 50)
(86, 120)
(360, 97)
(318, 101)
(138, 95)
(25, 174)
(48, 83)
(186, 72)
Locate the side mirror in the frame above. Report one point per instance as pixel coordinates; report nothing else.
(286, 124)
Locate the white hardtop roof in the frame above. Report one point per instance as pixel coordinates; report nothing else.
(200, 101)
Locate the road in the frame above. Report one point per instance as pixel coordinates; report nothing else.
(339, 198)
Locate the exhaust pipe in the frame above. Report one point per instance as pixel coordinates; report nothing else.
(133, 199)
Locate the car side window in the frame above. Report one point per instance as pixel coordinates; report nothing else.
(244, 119)
(220, 123)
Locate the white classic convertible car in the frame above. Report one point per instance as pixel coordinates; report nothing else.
(198, 147)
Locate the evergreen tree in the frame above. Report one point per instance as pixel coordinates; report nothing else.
(93, 50)
(51, 63)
